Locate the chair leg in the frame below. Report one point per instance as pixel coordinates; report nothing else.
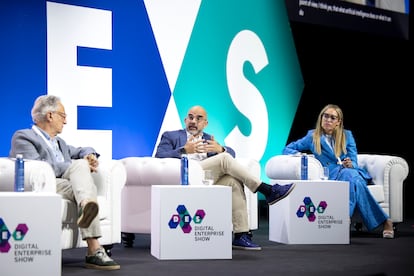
(394, 226)
(127, 239)
(358, 226)
(108, 249)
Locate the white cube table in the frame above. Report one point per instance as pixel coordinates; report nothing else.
(191, 222)
(30, 230)
(315, 212)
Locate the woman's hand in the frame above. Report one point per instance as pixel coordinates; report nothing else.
(347, 162)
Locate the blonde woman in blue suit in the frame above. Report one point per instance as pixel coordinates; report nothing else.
(336, 149)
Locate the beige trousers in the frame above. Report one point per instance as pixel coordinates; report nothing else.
(228, 172)
(77, 185)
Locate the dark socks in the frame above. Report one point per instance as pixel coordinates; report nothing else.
(238, 235)
(265, 189)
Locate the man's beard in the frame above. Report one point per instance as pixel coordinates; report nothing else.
(195, 132)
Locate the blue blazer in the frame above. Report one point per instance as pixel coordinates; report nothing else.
(32, 146)
(172, 142)
(327, 156)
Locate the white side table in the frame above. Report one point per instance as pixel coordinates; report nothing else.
(315, 212)
(30, 230)
(191, 222)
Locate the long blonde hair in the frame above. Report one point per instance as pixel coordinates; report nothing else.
(338, 133)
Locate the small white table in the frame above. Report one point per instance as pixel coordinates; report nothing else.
(191, 222)
(30, 230)
(315, 212)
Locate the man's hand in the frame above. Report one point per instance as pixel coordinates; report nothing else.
(196, 145)
(193, 146)
(93, 162)
(213, 146)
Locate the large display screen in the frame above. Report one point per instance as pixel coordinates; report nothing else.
(383, 17)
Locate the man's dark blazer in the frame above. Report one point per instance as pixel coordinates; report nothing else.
(172, 143)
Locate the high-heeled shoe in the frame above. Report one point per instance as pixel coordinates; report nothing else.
(388, 234)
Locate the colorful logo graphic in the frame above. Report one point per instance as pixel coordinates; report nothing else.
(114, 62)
(183, 219)
(18, 235)
(309, 209)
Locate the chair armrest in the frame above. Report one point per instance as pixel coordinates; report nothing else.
(148, 171)
(287, 167)
(32, 169)
(390, 172)
(110, 178)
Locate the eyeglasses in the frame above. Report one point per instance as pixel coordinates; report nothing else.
(198, 118)
(61, 114)
(327, 116)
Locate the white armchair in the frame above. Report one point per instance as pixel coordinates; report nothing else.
(388, 173)
(109, 179)
(143, 172)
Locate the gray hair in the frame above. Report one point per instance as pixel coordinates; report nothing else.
(43, 105)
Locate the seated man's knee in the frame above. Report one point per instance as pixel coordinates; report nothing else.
(81, 164)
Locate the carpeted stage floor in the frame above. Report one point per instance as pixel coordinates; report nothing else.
(366, 255)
